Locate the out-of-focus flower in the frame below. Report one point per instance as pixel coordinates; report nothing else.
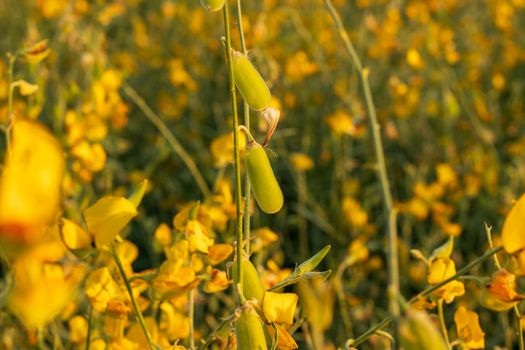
(301, 162)
(30, 183)
(218, 281)
(468, 329)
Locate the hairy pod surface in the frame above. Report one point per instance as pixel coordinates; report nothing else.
(213, 5)
(251, 283)
(249, 331)
(250, 83)
(265, 187)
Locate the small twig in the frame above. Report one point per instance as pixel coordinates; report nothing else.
(393, 268)
(134, 302)
(169, 137)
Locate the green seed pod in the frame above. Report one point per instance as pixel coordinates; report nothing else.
(417, 332)
(249, 330)
(264, 184)
(250, 83)
(251, 283)
(213, 5)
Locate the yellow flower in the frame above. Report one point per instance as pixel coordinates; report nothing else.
(107, 217)
(414, 59)
(217, 282)
(163, 235)
(341, 123)
(500, 293)
(173, 322)
(100, 288)
(78, 327)
(198, 237)
(513, 228)
(74, 237)
(263, 238)
(217, 253)
(301, 162)
(42, 288)
(222, 148)
(439, 270)
(468, 329)
(284, 340)
(279, 307)
(30, 183)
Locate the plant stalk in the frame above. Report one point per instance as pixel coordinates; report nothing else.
(237, 161)
(134, 302)
(246, 109)
(393, 267)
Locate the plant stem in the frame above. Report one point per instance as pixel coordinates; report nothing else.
(425, 293)
(246, 108)
(393, 268)
(237, 161)
(88, 337)
(442, 323)
(191, 303)
(169, 137)
(133, 299)
(12, 59)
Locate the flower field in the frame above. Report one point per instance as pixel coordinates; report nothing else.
(255, 175)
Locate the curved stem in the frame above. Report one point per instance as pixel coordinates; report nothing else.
(169, 137)
(393, 268)
(136, 308)
(238, 209)
(442, 323)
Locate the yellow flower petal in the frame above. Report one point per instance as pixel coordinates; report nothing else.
(468, 329)
(107, 217)
(279, 307)
(513, 233)
(217, 253)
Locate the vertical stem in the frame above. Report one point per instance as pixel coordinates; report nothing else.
(393, 268)
(136, 308)
(238, 209)
(246, 108)
(12, 59)
(442, 322)
(302, 195)
(88, 337)
(191, 317)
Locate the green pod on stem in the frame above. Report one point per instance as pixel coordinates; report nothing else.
(250, 83)
(249, 330)
(265, 187)
(251, 283)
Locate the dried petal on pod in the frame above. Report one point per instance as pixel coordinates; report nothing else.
(213, 5)
(251, 283)
(250, 83)
(249, 330)
(265, 187)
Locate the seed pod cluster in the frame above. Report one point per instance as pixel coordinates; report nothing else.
(250, 83)
(265, 187)
(213, 5)
(249, 330)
